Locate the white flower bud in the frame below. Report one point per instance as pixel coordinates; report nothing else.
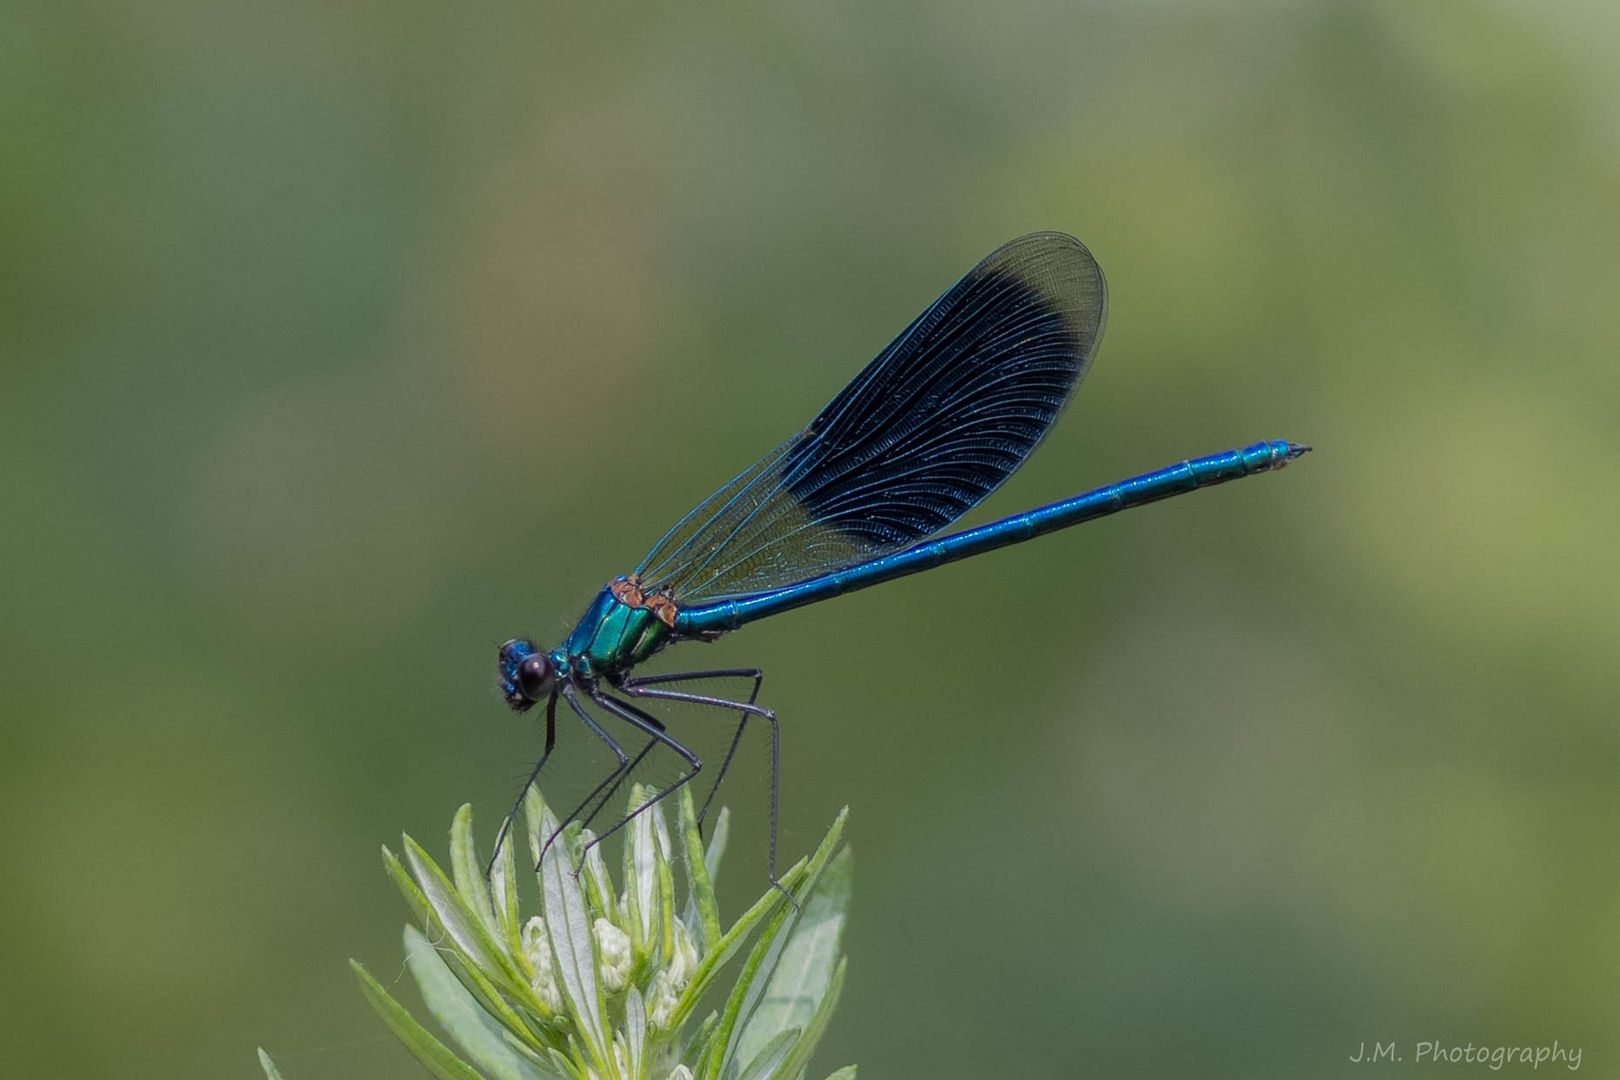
(681, 1073)
(537, 950)
(613, 945)
(683, 958)
(662, 997)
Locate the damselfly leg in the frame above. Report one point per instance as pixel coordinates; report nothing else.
(641, 690)
(653, 728)
(624, 774)
(755, 674)
(506, 826)
(611, 778)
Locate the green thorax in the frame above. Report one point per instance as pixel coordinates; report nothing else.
(613, 636)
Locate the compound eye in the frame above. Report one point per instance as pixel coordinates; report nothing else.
(534, 676)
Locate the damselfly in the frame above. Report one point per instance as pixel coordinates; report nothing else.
(928, 429)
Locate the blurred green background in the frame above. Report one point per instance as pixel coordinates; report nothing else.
(342, 341)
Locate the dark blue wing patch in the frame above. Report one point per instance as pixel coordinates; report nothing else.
(928, 429)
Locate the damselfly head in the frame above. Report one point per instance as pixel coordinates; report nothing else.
(526, 673)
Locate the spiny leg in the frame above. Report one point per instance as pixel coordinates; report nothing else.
(653, 728)
(742, 717)
(623, 766)
(551, 741)
(748, 709)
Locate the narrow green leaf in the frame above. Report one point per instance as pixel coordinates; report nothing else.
(801, 972)
(768, 947)
(534, 812)
(770, 1057)
(598, 884)
(709, 967)
(566, 1065)
(470, 969)
(407, 888)
(641, 877)
(491, 1045)
(468, 873)
(703, 913)
(717, 843)
(503, 879)
(635, 1034)
(805, 1047)
(573, 947)
(661, 830)
(846, 1073)
(269, 1067)
(458, 920)
(722, 1052)
(691, 1057)
(666, 908)
(494, 1001)
(432, 1053)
